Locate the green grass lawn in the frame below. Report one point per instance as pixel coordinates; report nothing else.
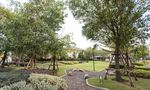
(12, 74)
(99, 65)
(141, 84)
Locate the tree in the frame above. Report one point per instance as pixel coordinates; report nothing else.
(111, 21)
(34, 27)
(89, 54)
(58, 49)
(6, 43)
(142, 51)
(81, 55)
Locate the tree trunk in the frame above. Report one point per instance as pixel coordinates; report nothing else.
(127, 58)
(93, 61)
(54, 61)
(4, 59)
(32, 63)
(117, 65)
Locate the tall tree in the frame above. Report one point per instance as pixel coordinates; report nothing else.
(111, 21)
(6, 43)
(34, 27)
(58, 49)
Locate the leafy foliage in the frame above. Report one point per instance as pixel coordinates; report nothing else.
(38, 82)
(110, 21)
(38, 79)
(118, 22)
(89, 53)
(141, 51)
(31, 29)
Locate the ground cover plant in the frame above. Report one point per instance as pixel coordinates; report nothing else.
(38, 82)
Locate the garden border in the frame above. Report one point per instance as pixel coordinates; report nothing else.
(87, 83)
(101, 88)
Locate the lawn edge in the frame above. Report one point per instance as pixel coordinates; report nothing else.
(101, 88)
(87, 83)
(65, 73)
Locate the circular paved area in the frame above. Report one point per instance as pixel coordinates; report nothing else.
(77, 81)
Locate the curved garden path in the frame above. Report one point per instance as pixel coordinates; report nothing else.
(77, 81)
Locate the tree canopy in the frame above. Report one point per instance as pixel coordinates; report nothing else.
(108, 20)
(32, 28)
(113, 21)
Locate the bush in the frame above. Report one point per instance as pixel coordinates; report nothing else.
(113, 66)
(142, 73)
(69, 62)
(38, 82)
(22, 85)
(40, 79)
(143, 68)
(138, 64)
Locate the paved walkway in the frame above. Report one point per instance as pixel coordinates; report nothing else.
(77, 81)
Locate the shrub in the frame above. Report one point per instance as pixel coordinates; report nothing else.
(138, 64)
(139, 73)
(113, 66)
(22, 85)
(75, 62)
(142, 67)
(38, 82)
(69, 62)
(40, 79)
(142, 73)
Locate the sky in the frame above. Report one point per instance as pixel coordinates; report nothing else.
(71, 26)
(74, 28)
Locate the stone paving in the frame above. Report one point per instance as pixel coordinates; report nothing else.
(76, 80)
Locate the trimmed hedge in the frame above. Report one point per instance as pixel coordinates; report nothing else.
(142, 73)
(138, 64)
(69, 62)
(38, 82)
(139, 73)
(113, 66)
(143, 68)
